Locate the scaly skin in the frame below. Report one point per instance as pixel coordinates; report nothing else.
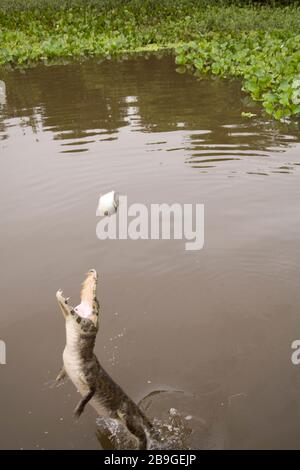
(83, 368)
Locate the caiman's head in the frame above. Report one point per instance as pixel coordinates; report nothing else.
(83, 319)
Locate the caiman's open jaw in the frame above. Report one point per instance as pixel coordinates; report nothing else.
(89, 307)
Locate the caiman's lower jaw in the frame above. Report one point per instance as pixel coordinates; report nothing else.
(63, 303)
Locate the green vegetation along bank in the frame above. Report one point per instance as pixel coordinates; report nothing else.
(258, 43)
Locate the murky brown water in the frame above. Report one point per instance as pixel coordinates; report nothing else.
(216, 323)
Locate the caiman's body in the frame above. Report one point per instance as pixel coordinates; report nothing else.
(85, 371)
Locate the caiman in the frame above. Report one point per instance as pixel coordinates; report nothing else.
(83, 368)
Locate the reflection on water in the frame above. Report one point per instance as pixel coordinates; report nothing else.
(203, 117)
(216, 323)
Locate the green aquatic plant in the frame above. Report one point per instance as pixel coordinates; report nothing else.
(258, 43)
(267, 62)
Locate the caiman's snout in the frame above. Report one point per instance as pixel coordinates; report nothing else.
(88, 303)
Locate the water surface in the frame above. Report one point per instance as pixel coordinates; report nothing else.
(216, 323)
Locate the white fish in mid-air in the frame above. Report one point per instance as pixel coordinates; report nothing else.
(108, 204)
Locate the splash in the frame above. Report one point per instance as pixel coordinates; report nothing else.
(168, 434)
(181, 421)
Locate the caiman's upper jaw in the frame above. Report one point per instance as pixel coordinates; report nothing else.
(88, 307)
